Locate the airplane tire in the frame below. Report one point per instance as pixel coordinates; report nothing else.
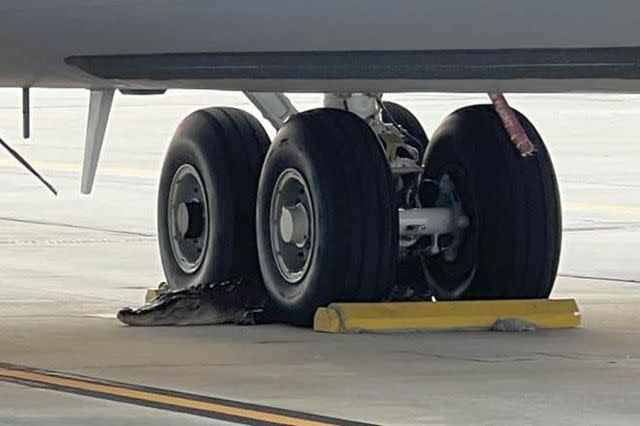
(394, 113)
(326, 224)
(512, 246)
(206, 198)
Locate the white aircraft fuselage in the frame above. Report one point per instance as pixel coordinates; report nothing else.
(323, 46)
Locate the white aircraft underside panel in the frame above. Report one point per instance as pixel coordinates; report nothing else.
(328, 45)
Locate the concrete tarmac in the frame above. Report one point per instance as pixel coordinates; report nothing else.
(67, 263)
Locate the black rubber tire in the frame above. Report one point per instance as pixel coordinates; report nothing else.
(227, 147)
(396, 113)
(513, 203)
(356, 231)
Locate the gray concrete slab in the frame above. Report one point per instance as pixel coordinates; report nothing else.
(67, 263)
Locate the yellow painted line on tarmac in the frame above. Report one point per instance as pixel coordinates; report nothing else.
(56, 166)
(64, 167)
(235, 411)
(477, 314)
(597, 207)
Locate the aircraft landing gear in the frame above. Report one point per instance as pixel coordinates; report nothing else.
(352, 199)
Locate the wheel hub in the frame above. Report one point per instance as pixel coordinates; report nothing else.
(292, 225)
(188, 218)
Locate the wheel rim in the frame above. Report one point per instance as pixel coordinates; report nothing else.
(451, 277)
(292, 225)
(188, 218)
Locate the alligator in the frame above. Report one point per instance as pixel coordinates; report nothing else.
(239, 301)
(230, 302)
